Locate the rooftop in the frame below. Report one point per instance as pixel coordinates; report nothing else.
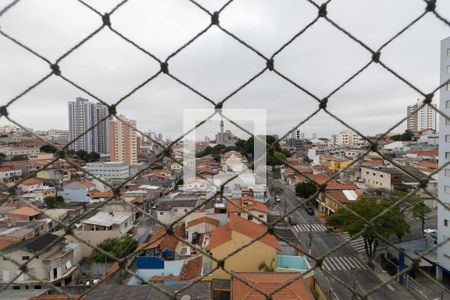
(32, 181)
(108, 219)
(268, 283)
(252, 204)
(202, 220)
(33, 245)
(24, 211)
(223, 234)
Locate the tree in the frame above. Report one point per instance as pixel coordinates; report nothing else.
(420, 211)
(408, 135)
(274, 156)
(240, 144)
(53, 202)
(118, 247)
(2, 157)
(267, 268)
(19, 157)
(305, 189)
(48, 149)
(391, 223)
(82, 154)
(93, 156)
(413, 205)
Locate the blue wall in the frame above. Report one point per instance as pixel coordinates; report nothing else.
(149, 262)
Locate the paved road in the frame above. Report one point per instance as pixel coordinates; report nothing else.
(345, 262)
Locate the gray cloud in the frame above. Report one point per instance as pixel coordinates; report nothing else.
(215, 64)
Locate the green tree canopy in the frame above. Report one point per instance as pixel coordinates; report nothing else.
(274, 155)
(48, 149)
(408, 135)
(118, 247)
(82, 154)
(54, 202)
(93, 156)
(19, 157)
(391, 223)
(2, 157)
(305, 189)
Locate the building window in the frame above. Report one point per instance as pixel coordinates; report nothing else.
(447, 155)
(448, 69)
(161, 213)
(445, 222)
(448, 52)
(25, 257)
(447, 189)
(448, 86)
(447, 172)
(249, 217)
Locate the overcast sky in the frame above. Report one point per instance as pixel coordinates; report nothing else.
(215, 64)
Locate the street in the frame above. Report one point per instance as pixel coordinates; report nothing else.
(345, 262)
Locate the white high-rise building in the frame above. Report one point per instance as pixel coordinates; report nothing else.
(443, 222)
(346, 138)
(425, 118)
(82, 116)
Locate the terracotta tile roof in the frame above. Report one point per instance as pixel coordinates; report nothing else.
(192, 268)
(373, 162)
(202, 220)
(256, 205)
(6, 168)
(333, 185)
(162, 241)
(164, 278)
(319, 178)
(85, 183)
(24, 211)
(428, 164)
(32, 181)
(267, 283)
(223, 234)
(220, 236)
(425, 152)
(339, 196)
(6, 241)
(97, 194)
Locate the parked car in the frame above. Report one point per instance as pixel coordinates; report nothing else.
(292, 221)
(309, 211)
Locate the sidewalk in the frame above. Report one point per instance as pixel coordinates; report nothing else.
(394, 286)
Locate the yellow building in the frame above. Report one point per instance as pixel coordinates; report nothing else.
(237, 233)
(54, 174)
(334, 163)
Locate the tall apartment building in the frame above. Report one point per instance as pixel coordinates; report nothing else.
(411, 122)
(123, 140)
(83, 115)
(346, 138)
(443, 222)
(425, 118)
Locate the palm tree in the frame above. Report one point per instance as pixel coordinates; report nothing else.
(263, 267)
